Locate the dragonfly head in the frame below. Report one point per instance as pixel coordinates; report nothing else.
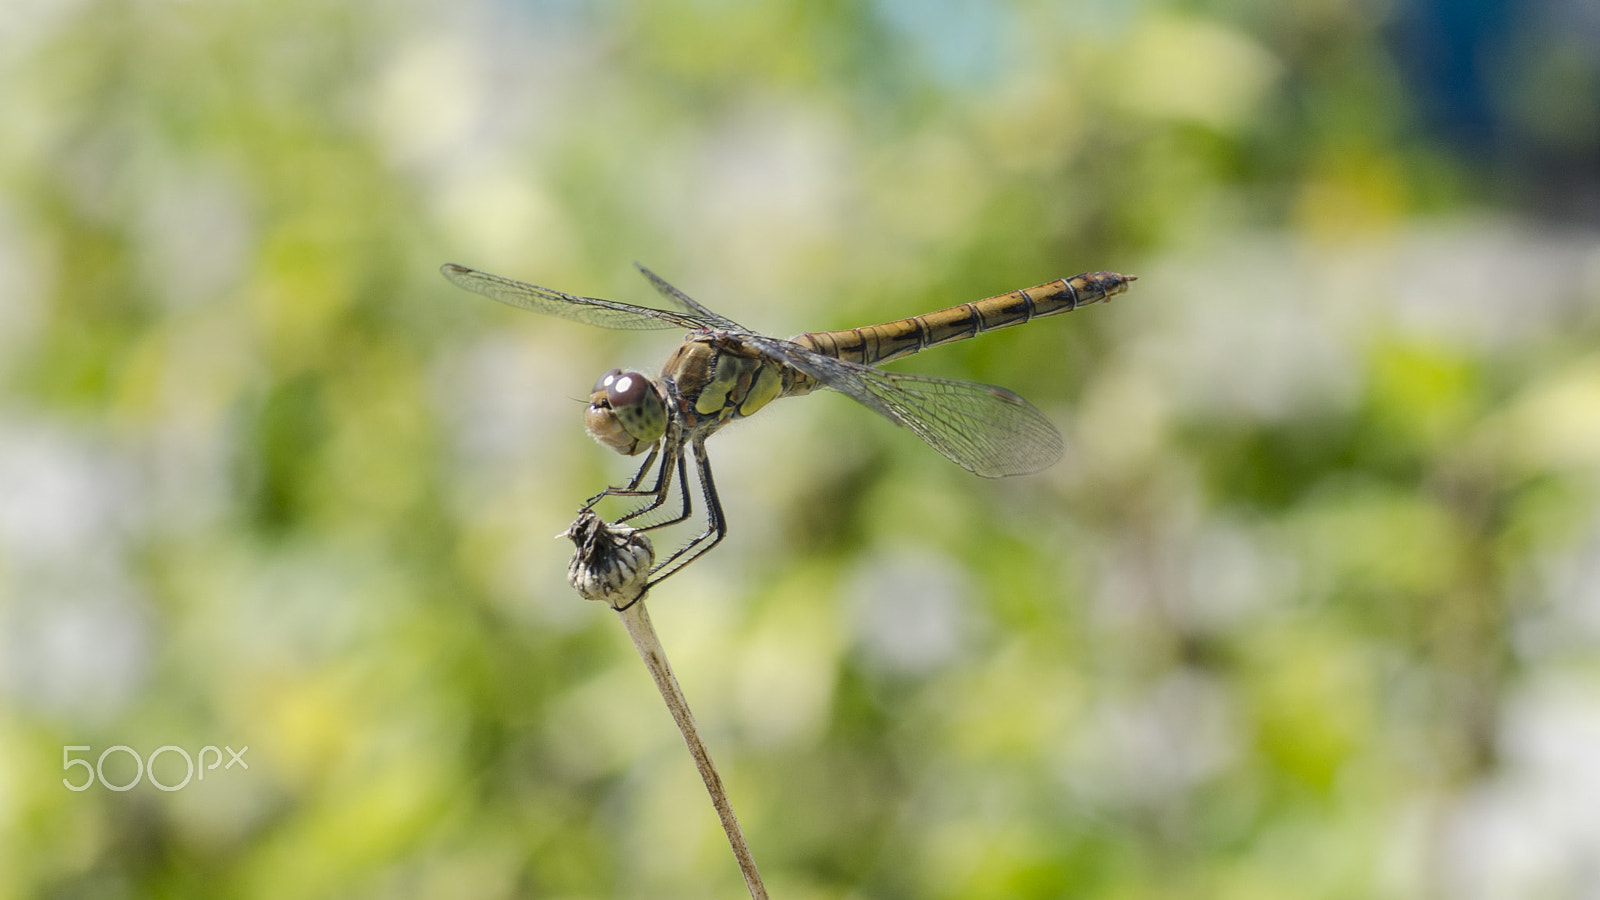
(626, 412)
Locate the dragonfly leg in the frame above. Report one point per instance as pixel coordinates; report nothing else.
(631, 489)
(666, 457)
(633, 483)
(660, 498)
(716, 524)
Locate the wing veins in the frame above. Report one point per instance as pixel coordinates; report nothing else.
(550, 302)
(986, 430)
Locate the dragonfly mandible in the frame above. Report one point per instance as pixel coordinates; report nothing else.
(724, 371)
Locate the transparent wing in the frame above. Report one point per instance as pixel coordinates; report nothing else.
(688, 304)
(589, 310)
(984, 429)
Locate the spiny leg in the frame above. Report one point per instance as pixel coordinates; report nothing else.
(633, 483)
(683, 488)
(631, 489)
(716, 524)
(668, 459)
(667, 452)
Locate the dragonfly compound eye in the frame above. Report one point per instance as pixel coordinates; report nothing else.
(625, 412)
(628, 389)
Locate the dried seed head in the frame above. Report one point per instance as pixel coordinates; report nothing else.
(612, 562)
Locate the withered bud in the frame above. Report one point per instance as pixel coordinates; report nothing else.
(612, 562)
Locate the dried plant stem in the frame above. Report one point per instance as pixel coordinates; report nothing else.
(643, 633)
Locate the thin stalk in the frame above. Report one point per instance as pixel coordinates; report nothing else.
(637, 621)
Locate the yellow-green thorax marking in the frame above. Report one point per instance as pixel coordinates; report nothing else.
(719, 380)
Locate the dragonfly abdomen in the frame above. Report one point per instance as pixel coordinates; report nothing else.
(874, 344)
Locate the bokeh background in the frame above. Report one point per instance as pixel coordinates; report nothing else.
(1311, 608)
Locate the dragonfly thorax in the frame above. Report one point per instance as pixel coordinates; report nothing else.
(626, 412)
(719, 380)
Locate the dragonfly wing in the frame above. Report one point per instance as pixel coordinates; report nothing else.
(984, 429)
(589, 310)
(688, 304)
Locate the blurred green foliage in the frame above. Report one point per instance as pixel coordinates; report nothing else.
(1308, 610)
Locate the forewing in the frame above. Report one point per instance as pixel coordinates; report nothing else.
(589, 310)
(687, 303)
(984, 429)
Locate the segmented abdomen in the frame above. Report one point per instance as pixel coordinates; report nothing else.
(874, 344)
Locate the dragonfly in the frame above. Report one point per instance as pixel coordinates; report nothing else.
(724, 371)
